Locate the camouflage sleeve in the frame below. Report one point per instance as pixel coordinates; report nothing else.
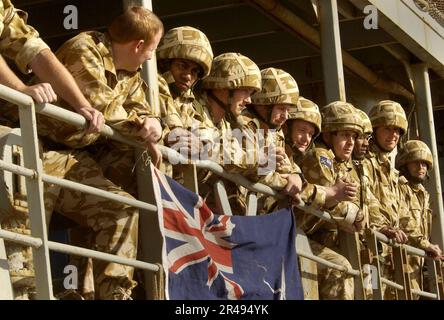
(19, 41)
(317, 167)
(168, 109)
(375, 219)
(263, 168)
(314, 196)
(135, 107)
(410, 219)
(378, 216)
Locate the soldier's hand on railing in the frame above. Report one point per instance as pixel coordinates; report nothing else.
(94, 117)
(395, 234)
(155, 154)
(359, 223)
(434, 251)
(182, 140)
(294, 184)
(41, 92)
(151, 130)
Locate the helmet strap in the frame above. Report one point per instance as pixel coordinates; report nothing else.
(266, 119)
(226, 106)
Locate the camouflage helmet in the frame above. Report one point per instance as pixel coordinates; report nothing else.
(414, 150)
(365, 121)
(308, 111)
(187, 43)
(389, 113)
(278, 87)
(233, 71)
(339, 116)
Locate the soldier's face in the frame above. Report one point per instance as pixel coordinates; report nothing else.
(301, 134)
(387, 137)
(417, 169)
(239, 100)
(361, 146)
(279, 114)
(342, 143)
(185, 73)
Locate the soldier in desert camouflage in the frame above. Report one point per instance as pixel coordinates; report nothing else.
(328, 162)
(106, 68)
(389, 124)
(263, 120)
(226, 93)
(20, 43)
(414, 161)
(184, 57)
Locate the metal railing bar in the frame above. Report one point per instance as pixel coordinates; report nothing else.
(425, 294)
(78, 186)
(68, 249)
(64, 248)
(14, 96)
(410, 250)
(176, 157)
(392, 284)
(76, 119)
(99, 192)
(327, 263)
(17, 169)
(21, 239)
(323, 215)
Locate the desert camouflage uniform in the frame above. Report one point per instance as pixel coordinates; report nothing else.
(186, 43)
(20, 43)
(278, 87)
(234, 71)
(417, 224)
(321, 167)
(120, 96)
(224, 149)
(384, 181)
(313, 195)
(369, 202)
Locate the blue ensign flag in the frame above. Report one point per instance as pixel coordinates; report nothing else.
(210, 256)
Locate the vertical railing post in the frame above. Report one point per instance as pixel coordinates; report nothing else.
(190, 177)
(402, 275)
(372, 246)
(350, 248)
(6, 292)
(34, 188)
(150, 239)
(432, 278)
(428, 135)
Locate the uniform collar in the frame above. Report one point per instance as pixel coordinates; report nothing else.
(381, 155)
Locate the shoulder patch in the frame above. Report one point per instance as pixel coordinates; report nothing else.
(326, 162)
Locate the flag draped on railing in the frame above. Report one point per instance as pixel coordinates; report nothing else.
(210, 256)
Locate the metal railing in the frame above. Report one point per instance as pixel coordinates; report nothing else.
(402, 283)
(35, 177)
